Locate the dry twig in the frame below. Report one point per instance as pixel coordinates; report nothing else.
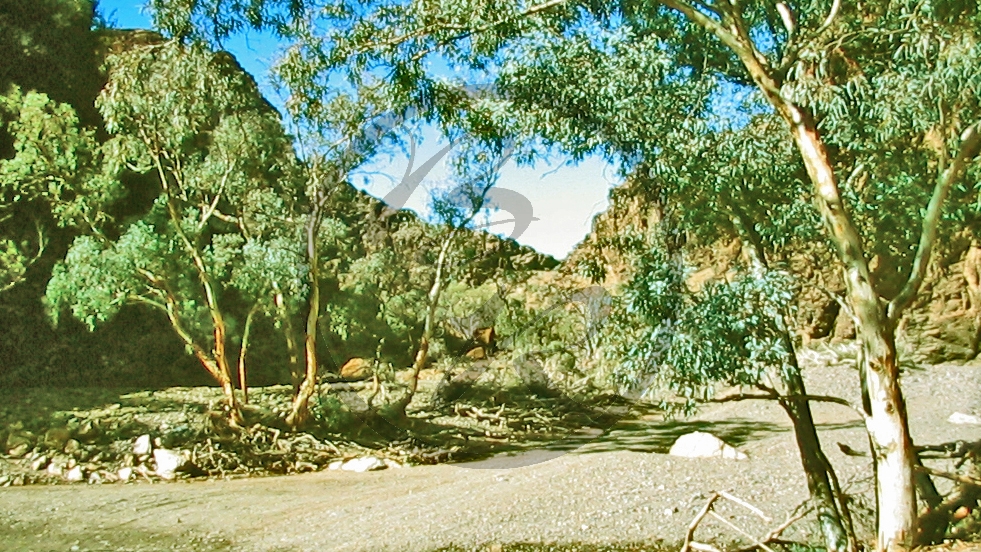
(761, 543)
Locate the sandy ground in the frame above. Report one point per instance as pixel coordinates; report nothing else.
(618, 489)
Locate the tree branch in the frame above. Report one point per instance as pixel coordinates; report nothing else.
(207, 212)
(835, 8)
(970, 146)
(952, 476)
(463, 29)
(787, 18)
(777, 397)
(41, 244)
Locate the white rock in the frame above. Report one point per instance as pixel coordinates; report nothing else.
(961, 418)
(142, 445)
(54, 468)
(125, 473)
(704, 445)
(363, 464)
(168, 462)
(392, 464)
(335, 465)
(75, 475)
(39, 463)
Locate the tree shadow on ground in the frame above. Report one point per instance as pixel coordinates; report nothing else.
(657, 436)
(836, 426)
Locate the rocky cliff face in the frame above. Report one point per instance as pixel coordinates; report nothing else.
(943, 325)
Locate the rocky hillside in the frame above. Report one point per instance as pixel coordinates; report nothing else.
(945, 323)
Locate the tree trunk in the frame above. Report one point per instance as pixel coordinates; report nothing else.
(832, 511)
(889, 430)
(887, 422)
(292, 349)
(224, 371)
(300, 411)
(422, 354)
(212, 363)
(833, 515)
(241, 354)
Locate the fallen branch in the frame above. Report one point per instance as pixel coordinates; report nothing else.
(957, 449)
(952, 476)
(689, 536)
(739, 530)
(746, 505)
(770, 538)
(701, 547)
(773, 537)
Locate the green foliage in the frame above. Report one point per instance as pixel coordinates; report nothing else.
(224, 218)
(54, 172)
(729, 332)
(96, 278)
(54, 159)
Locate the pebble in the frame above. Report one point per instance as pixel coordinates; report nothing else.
(964, 419)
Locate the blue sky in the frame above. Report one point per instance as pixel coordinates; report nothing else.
(564, 197)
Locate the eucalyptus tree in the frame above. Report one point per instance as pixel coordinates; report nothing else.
(344, 114)
(454, 210)
(747, 185)
(873, 213)
(217, 151)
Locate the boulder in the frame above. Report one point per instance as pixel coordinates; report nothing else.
(125, 474)
(699, 444)
(56, 437)
(73, 447)
(363, 464)
(19, 443)
(484, 337)
(357, 369)
(168, 462)
(141, 447)
(88, 431)
(19, 451)
(39, 463)
(75, 475)
(55, 468)
(531, 372)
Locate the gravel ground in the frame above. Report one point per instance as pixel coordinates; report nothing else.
(619, 490)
